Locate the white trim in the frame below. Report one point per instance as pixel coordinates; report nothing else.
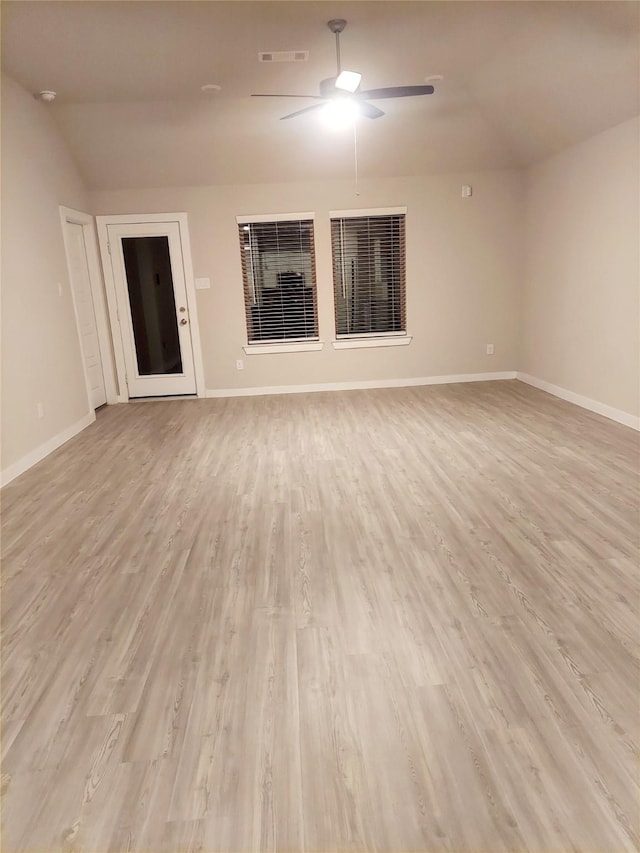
(110, 288)
(192, 304)
(357, 343)
(45, 449)
(263, 349)
(356, 386)
(138, 218)
(367, 211)
(585, 402)
(96, 283)
(273, 217)
(162, 399)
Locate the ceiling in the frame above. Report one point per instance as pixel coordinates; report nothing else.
(521, 81)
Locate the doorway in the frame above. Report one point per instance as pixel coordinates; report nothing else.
(151, 295)
(87, 294)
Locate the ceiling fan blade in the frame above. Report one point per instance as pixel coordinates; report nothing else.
(316, 97)
(397, 92)
(369, 110)
(300, 112)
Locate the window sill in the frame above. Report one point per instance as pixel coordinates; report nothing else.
(301, 346)
(357, 343)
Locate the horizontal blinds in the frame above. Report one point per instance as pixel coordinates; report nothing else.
(369, 274)
(274, 217)
(279, 277)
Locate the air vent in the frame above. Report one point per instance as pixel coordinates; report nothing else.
(284, 56)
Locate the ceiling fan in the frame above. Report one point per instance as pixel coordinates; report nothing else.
(343, 90)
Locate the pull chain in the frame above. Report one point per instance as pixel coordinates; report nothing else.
(355, 154)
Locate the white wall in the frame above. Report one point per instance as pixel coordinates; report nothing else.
(581, 308)
(545, 266)
(463, 274)
(41, 359)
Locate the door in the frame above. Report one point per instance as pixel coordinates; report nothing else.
(148, 272)
(85, 312)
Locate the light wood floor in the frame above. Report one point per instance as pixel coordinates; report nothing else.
(398, 620)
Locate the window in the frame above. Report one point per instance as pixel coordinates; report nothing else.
(279, 277)
(369, 272)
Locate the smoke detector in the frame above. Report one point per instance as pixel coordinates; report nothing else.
(46, 96)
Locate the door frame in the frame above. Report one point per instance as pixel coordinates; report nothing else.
(86, 221)
(110, 287)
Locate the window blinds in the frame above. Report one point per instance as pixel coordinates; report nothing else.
(279, 276)
(369, 274)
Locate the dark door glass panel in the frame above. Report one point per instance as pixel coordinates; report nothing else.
(153, 309)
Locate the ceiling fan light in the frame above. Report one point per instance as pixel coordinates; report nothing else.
(348, 81)
(340, 113)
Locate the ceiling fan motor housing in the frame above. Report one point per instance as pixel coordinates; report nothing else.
(328, 88)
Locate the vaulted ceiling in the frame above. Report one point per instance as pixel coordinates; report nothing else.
(521, 81)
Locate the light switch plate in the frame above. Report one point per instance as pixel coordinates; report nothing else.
(203, 283)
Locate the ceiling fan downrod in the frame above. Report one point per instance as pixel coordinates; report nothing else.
(337, 25)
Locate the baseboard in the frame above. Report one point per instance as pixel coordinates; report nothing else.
(585, 402)
(45, 449)
(357, 386)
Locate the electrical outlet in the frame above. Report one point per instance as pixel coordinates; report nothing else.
(239, 364)
(40, 409)
(60, 289)
(490, 349)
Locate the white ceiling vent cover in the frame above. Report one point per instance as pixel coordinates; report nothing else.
(284, 56)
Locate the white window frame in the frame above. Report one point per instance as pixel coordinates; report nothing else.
(361, 340)
(286, 345)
